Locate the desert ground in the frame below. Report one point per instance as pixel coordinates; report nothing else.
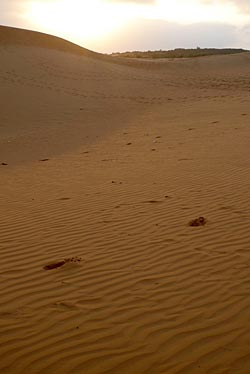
(104, 162)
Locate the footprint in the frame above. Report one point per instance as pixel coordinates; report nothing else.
(201, 221)
(54, 265)
(153, 202)
(58, 264)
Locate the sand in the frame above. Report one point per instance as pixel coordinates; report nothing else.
(132, 152)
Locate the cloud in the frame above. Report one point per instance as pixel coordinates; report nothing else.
(139, 2)
(10, 11)
(241, 5)
(155, 34)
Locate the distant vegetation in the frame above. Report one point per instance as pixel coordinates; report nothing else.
(179, 53)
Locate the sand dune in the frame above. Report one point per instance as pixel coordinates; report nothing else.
(132, 151)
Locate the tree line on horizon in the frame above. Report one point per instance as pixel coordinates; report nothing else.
(179, 53)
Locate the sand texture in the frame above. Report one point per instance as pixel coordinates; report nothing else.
(106, 166)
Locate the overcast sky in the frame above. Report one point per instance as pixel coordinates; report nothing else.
(121, 25)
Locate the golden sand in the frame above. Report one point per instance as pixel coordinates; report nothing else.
(104, 163)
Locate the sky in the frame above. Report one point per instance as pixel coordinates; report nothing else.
(124, 25)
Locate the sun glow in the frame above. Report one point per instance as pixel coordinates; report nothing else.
(85, 20)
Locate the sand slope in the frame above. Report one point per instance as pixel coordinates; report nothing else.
(135, 150)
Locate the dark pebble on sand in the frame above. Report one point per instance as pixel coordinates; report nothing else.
(201, 221)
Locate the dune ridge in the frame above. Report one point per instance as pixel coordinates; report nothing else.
(23, 37)
(133, 151)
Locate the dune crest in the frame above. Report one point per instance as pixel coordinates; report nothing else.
(22, 37)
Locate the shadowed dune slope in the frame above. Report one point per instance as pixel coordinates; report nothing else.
(103, 166)
(23, 37)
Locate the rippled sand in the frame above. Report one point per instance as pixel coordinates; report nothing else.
(104, 163)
